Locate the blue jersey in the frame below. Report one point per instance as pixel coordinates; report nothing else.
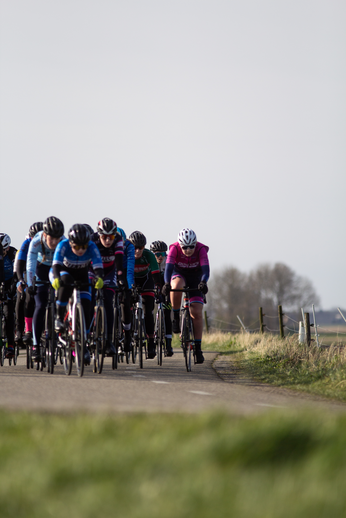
(65, 258)
(39, 252)
(129, 262)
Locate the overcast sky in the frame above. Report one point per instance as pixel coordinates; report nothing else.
(227, 117)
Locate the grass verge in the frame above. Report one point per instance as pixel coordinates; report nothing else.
(140, 466)
(286, 363)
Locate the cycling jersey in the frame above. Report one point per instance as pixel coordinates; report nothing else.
(112, 257)
(39, 254)
(197, 263)
(147, 264)
(21, 257)
(65, 259)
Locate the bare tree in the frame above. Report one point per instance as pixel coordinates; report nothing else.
(235, 293)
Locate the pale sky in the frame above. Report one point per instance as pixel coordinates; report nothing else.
(227, 117)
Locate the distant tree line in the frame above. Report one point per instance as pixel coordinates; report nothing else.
(233, 293)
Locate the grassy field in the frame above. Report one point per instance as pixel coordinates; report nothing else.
(273, 465)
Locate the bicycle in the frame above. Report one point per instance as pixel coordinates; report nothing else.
(139, 338)
(98, 333)
(160, 330)
(72, 339)
(117, 331)
(49, 349)
(186, 328)
(3, 338)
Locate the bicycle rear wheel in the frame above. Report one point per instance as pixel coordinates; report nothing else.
(159, 336)
(79, 337)
(66, 355)
(99, 339)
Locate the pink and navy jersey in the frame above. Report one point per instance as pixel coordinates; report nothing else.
(197, 263)
(112, 257)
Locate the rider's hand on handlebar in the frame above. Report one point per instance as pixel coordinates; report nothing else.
(203, 287)
(166, 289)
(56, 283)
(99, 283)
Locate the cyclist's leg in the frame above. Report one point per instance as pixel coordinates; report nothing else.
(168, 326)
(108, 295)
(177, 283)
(196, 312)
(64, 293)
(20, 302)
(29, 308)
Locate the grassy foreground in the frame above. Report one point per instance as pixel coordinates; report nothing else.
(159, 466)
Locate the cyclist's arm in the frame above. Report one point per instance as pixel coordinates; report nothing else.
(130, 262)
(204, 262)
(31, 263)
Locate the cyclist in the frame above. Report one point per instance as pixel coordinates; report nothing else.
(8, 288)
(188, 265)
(39, 261)
(129, 272)
(71, 262)
(147, 276)
(159, 249)
(111, 247)
(25, 303)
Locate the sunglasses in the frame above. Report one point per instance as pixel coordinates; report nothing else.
(139, 247)
(189, 247)
(79, 247)
(108, 236)
(160, 254)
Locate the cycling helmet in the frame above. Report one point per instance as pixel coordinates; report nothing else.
(53, 227)
(5, 240)
(158, 246)
(187, 237)
(106, 226)
(122, 233)
(34, 228)
(79, 234)
(137, 238)
(89, 229)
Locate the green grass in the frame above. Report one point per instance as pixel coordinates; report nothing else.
(157, 466)
(286, 363)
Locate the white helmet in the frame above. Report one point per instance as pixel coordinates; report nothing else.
(187, 237)
(5, 240)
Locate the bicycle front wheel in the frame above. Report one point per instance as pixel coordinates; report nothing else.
(116, 337)
(186, 340)
(100, 339)
(79, 338)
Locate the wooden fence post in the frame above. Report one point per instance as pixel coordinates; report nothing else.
(281, 324)
(206, 322)
(261, 315)
(307, 328)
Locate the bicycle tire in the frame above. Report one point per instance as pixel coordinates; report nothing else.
(16, 352)
(79, 337)
(49, 328)
(99, 339)
(159, 338)
(66, 354)
(28, 355)
(185, 337)
(116, 337)
(140, 336)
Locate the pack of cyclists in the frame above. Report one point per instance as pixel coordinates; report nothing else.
(105, 259)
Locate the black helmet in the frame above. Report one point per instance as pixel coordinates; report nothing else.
(89, 229)
(79, 234)
(106, 226)
(137, 238)
(35, 227)
(158, 246)
(53, 227)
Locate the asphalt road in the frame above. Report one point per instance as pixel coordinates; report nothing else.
(217, 384)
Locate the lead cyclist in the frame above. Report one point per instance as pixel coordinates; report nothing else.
(188, 265)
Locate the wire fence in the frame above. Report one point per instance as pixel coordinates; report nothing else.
(320, 335)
